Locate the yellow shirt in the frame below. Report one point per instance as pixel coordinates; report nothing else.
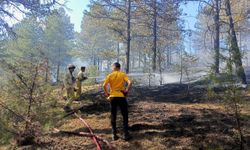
(116, 81)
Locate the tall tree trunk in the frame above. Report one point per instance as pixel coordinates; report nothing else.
(58, 65)
(108, 64)
(139, 59)
(160, 66)
(98, 63)
(217, 37)
(236, 54)
(128, 34)
(133, 62)
(181, 67)
(46, 69)
(94, 60)
(118, 51)
(168, 57)
(154, 35)
(101, 65)
(145, 63)
(57, 72)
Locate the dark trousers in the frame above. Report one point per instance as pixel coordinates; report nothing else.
(122, 103)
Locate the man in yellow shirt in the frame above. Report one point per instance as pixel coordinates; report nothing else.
(117, 95)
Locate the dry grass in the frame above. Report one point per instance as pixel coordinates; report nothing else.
(155, 125)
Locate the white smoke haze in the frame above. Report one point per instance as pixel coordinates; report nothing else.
(153, 79)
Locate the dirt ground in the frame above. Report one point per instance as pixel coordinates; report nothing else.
(160, 118)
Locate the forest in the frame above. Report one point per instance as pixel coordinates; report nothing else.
(189, 85)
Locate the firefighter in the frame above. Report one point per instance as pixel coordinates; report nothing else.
(69, 84)
(79, 79)
(117, 96)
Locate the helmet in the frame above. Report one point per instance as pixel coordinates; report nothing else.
(71, 66)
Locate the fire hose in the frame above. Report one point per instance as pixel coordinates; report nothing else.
(98, 146)
(85, 135)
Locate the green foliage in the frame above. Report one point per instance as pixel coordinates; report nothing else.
(48, 40)
(231, 97)
(23, 109)
(187, 62)
(109, 21)
(5, 135)
(11, 10)
(95, 42)
(217, 80)
(26, 59)
(233, 100)
(211, 94)
(28, 43)
(58, 39)
(92, 72)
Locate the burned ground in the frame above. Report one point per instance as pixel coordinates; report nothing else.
(163, 117)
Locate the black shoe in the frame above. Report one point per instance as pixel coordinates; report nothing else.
(127, 137)
(67, 109)
(115, 137)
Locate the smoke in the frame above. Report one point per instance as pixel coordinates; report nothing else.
(154, 79)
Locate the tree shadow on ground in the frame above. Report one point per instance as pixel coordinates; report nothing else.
(203, 128)
(96, 131)
(95, 108)
(209, 129)
(175, 93)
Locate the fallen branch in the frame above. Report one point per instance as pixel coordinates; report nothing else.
(72, 112)
(84, 135)
(90, 130)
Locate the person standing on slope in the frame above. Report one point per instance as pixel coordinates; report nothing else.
(117, 95)
(79, 79)
(69, 84)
